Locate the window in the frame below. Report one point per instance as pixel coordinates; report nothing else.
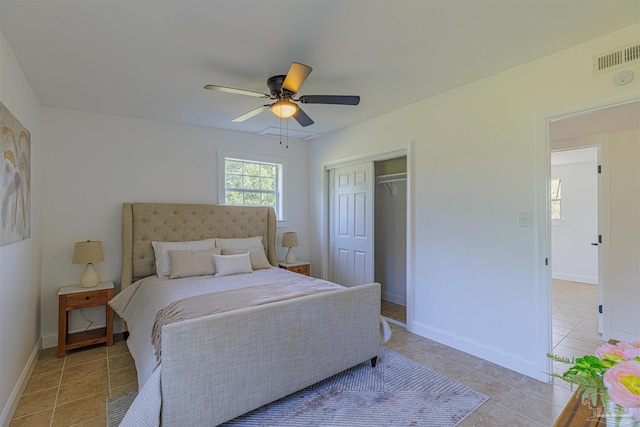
(249, 182)
(556, 196)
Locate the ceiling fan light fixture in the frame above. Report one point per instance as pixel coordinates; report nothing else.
(284, 109)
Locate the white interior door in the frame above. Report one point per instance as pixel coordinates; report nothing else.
(353, 224)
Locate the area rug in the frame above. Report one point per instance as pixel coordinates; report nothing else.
(397, 392)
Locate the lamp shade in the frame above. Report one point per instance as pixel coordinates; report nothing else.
(88, 252)
(284, 109)
(290, 240)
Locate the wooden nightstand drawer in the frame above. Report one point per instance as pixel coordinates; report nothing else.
(301, 267)
(76, 297)
(86, 299)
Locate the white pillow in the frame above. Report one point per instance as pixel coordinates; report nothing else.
(192, 263)
(162, 256)
(232, 264)
(239, 243)
(258, 258)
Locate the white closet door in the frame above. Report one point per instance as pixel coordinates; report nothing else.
(353, 223)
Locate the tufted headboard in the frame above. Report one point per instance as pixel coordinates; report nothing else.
(143, 223)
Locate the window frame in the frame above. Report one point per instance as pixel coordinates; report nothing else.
(281, 164)
(557, 199)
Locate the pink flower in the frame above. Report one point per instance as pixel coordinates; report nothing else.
(623, 384)
(610, 352)
(630, 351)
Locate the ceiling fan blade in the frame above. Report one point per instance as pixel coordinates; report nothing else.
(237, 91)
(251, 113)
(302, 118)
(297, 74)
(330, 99)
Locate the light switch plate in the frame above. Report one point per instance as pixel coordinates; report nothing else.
(525, 219)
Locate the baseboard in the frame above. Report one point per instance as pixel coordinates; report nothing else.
(396, 299)
(624, 336)
(575, 278)
(16, 393)
(494, 355)
(49, 340)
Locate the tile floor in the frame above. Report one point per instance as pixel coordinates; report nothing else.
(71, 391)
(394, 311)
(515, 400)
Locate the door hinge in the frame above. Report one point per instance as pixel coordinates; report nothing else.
(599, 168)
(546, 261)
(599, 238)
(600, 309)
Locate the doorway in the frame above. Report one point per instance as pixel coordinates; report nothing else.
(369, 227)
(599, 128)
(576, 292)
(390, 237)
(575, 188)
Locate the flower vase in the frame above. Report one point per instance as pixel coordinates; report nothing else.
(619, 416)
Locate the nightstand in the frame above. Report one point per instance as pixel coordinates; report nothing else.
(76, 297)
(301, 267)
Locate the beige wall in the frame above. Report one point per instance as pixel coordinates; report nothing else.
(478, 160)
(96, 162)
(624, 213)
(19, 262)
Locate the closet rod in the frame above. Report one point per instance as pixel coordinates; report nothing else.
(388, 180)
(392, 177)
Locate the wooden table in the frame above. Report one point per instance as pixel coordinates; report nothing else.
(576, 414)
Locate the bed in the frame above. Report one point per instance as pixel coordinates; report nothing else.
(209, 369)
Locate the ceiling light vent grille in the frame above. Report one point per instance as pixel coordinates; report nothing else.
(293, 134)
(616, 59)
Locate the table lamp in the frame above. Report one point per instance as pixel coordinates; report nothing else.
(290, 240)
(87, 253)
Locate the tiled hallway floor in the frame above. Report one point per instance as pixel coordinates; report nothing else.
(72, 391)
(575, 320)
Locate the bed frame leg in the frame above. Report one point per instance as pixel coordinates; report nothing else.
(374, 361)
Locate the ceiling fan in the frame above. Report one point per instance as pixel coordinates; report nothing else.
(283, 89)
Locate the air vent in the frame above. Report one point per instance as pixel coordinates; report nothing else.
(616, 59)
(293, 134)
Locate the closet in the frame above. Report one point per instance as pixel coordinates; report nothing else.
(390, 230)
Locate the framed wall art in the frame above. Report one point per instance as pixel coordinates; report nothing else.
(15, 179)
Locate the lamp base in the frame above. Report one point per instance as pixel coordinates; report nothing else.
(89, 278)
(290, 258)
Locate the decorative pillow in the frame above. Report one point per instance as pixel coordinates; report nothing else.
(162, 256)
(192, 263)
(240, 243)
(232, 264)
(256, 254)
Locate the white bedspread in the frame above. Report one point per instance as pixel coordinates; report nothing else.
(138, 305)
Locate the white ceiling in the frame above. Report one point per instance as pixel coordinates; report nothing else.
(151, 59)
